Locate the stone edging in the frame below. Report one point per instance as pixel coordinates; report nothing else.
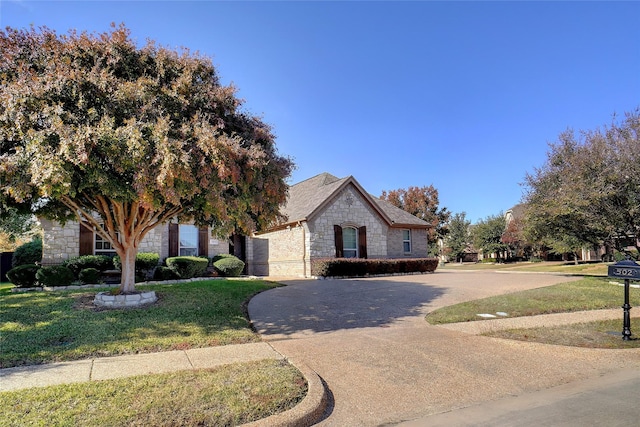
(106, 299)
(154, 282)
(306, 413)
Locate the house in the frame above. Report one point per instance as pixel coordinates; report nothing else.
(73, 239)
(334, 217)
(327, 217)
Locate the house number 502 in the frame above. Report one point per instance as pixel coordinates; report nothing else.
(625, 272)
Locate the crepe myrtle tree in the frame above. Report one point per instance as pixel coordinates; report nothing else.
(95, 128)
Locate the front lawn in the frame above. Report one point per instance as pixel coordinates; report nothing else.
(43, 327)
(226, 396)
(589, 293)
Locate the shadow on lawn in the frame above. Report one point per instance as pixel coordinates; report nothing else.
(330, 305)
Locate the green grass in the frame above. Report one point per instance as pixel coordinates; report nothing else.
(229, 395)
(42, 327)
(589, 293)
(590, 269)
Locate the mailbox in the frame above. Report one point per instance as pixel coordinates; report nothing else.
(627, 270)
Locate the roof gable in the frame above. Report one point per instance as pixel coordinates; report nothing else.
(308, 197)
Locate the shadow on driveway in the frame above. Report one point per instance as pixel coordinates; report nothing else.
(313, 306)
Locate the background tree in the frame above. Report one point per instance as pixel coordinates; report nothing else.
(422, 202)
(92, 124)
(16, 228)
(487, 235)
(588, 190)
(515, 238)
(458, 237)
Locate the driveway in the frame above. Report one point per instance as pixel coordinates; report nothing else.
(383, 364)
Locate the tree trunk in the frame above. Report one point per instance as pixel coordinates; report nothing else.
(128, 278)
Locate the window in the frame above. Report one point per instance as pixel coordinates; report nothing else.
(406, 241)
(102, 246)
(188, 240)
(350, 242)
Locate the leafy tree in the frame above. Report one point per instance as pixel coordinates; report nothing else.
(458, 237)
(515, 238)
(566, 244)
(92, 124)
(487, 234)
(422, 202)
(16, 228)
(589, 188)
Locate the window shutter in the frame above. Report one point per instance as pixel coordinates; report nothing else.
(203, 241)
(86, 239)
(173, 239)
(362, 241)
(337, 231)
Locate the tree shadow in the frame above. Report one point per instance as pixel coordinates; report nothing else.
(313, 306)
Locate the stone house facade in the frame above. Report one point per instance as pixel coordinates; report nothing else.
(171, 239)
(327, 217)
(334, 217)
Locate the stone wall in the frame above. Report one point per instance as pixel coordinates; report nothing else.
(419, 243)
(61, 243)
(348, 208)
(279, 253)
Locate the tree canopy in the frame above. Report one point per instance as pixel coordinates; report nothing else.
(487, 234)
(458, 237)
(588, 190)
(424, 203)
(90, 123)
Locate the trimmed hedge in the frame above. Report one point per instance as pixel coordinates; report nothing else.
(358, 267)
(55, 275)
(228, 265)
(146, 262)
(23, 276)
(187, 267)
(164, 273)
(79, 263)
(89, 276)
(29, 253)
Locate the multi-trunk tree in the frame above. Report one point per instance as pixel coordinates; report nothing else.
(95, 128)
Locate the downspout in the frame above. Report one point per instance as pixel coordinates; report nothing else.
(304, 250)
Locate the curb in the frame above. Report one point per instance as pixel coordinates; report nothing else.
(306, 413)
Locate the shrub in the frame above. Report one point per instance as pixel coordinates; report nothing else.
(79, 263)
(164, 273)
(187, 267)
(89, 275)
(363, 267)
(145, 263)
(23, 276)
(55, 275)
(29, 253)
(228, 266)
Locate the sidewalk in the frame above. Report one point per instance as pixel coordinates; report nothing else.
(104, 368)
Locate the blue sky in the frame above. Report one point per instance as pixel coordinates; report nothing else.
(462, 95)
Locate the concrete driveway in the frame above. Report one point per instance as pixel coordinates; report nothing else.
(384, 364)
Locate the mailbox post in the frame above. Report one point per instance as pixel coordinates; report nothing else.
(627, 270)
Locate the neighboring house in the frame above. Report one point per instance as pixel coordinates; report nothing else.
(171, 239)
(334, 217)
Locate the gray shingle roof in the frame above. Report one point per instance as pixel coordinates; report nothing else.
(306, 197)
